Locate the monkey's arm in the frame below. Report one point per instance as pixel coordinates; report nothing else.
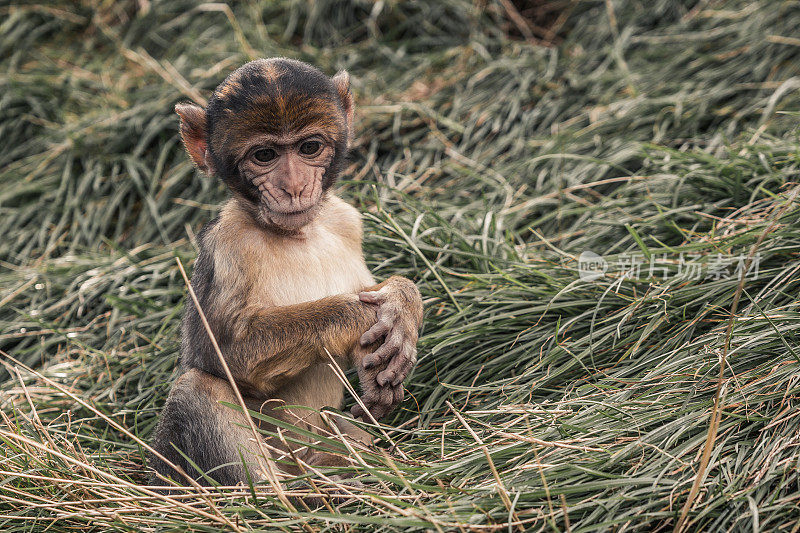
(277, 344)
(267, 347)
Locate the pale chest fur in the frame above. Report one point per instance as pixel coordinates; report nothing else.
(273, 270)
(322, 264)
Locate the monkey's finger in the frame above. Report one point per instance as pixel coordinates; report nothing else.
(380, 410)
(357, 411)
(398, 367)
(378, 401)
(386, 397)
(380, 329)
(372, 297)
(386, 377)
(405, 369)
(381, 355)
(399, 394)
(390, 347)
(370, 360)
(385, 404)
(408, 366)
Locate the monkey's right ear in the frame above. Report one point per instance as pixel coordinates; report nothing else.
(193, 133)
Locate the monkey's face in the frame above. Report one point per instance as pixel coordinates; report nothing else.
(276, 131)
(288, 173)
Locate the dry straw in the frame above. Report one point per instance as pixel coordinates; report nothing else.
(497, 141)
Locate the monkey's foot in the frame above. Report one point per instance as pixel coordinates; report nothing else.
(399, 319)
(379, 400)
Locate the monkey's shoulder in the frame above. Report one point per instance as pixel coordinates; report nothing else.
(344, 220)
(203, 272)
(233, 238)
(206, 229)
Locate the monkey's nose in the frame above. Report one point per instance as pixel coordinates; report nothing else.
(294, 189)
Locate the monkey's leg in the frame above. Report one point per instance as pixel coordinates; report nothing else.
(338, 428)
(348, 429)
(208, 433)
(345, 483)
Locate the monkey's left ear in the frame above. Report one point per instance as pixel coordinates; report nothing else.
(193, 133)
(342, 83)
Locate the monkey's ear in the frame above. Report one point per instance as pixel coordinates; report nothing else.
(342, 83)
(193, 133)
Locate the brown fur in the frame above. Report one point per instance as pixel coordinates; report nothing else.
(281, 296)
(314, 117)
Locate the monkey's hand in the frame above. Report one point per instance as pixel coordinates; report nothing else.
(399, 319)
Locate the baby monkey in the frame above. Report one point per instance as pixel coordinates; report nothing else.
(281, 279)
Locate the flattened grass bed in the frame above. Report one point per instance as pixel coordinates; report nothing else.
(491, 153)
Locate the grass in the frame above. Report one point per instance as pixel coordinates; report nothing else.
(490, 155)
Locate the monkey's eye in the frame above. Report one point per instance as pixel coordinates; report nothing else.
(265, 155)
(310, 147)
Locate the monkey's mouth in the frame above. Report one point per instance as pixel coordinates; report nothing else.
(294, 213)
(288, 219)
